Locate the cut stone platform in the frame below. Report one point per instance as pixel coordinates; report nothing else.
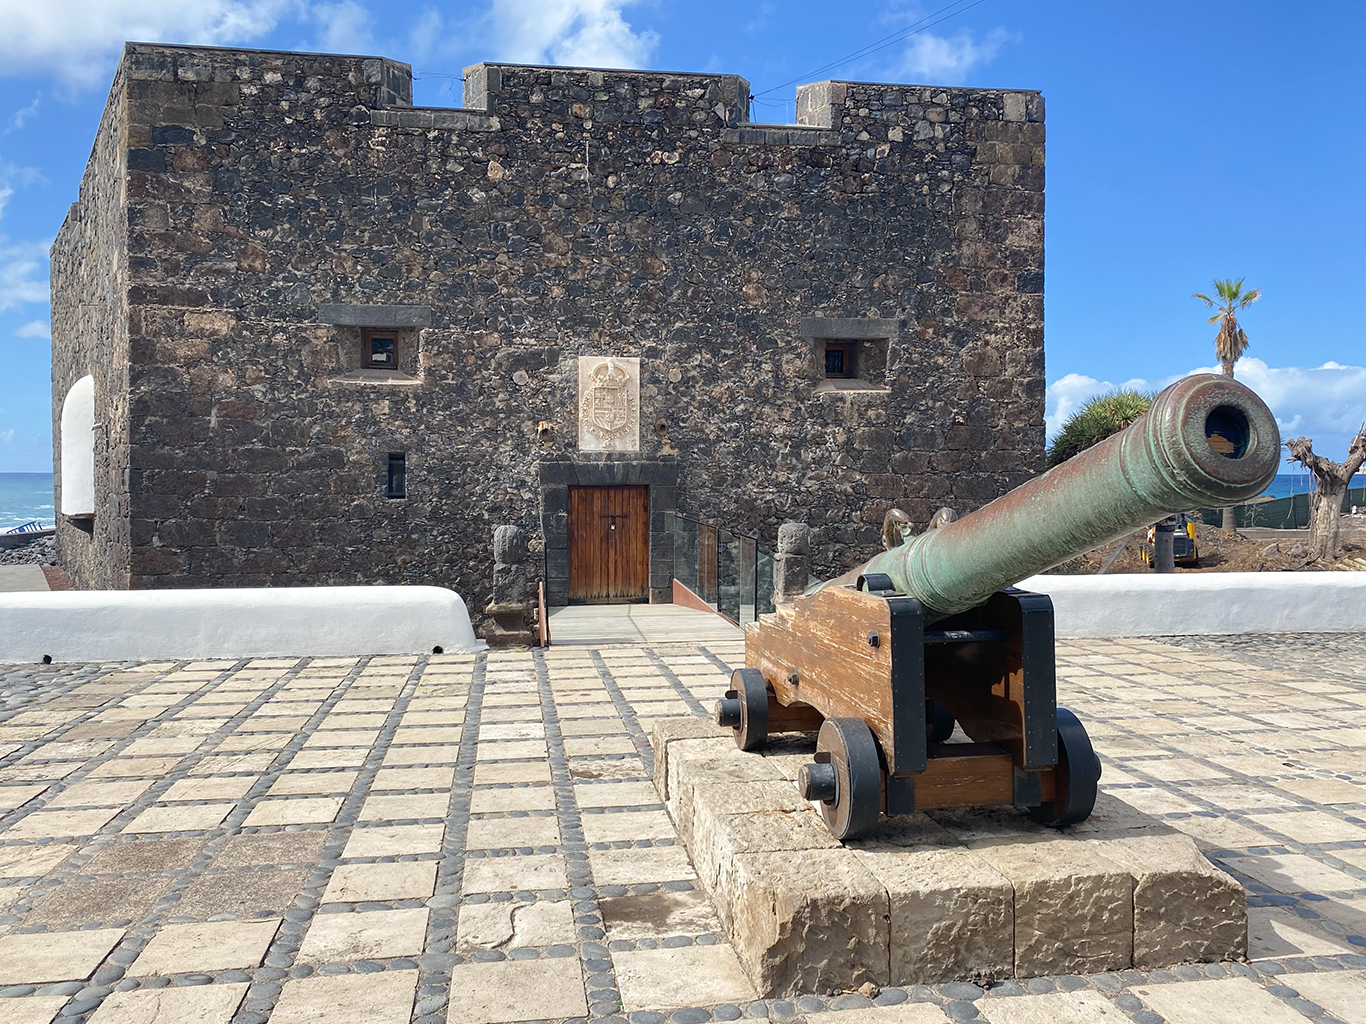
(973, 895)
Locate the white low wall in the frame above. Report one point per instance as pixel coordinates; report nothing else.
(1184, 604)
(136, 625)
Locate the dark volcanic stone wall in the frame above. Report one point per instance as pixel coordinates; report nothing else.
(90, 336)
(566, 213)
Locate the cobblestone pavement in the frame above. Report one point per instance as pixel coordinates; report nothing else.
(476, 840)
(1337, 654)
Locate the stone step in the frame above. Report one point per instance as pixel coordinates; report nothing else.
(971, 894)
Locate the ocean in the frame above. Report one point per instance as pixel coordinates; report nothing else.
(28, 496)
(25, 497)
(1302, 482)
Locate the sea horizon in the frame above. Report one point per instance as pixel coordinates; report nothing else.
(26, 497)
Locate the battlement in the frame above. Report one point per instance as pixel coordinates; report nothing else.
(607, 97)
(373, 81)
(189, 81)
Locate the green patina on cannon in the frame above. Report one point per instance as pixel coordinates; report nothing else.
(885, 660)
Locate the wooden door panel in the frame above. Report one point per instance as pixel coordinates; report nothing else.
(609, 544)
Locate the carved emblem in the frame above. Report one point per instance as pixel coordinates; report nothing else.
(609, 415)
(609, 397)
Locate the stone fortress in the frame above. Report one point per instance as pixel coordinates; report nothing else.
(335, 338)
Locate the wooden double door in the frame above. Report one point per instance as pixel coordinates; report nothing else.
(609, 545)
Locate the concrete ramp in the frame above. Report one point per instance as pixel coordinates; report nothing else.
(638, 624)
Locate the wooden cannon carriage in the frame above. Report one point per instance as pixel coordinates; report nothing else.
(885, 660)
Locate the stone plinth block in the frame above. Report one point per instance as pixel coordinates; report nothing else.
(1184, 907)
(720, 836)
(1074, 908)
(809, 920)
(734, 775)
(679, 752)
(967, 894)
(671, 730)
(951, 915)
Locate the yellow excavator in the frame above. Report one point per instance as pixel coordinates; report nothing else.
(1185, 551)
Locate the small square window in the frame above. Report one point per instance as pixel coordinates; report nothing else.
(381, 350)
(839, 359)
(397, 486)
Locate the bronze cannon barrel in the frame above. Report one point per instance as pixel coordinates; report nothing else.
(1206, 441)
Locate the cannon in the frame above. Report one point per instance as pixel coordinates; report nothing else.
(885, 660)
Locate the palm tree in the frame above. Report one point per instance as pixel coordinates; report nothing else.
(1095, 421)
(1231, 341)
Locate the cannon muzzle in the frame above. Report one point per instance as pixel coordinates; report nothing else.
(1206, 441)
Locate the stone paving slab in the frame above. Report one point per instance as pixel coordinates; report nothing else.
(376, 763)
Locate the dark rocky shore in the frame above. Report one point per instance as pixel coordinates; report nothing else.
(39, 551)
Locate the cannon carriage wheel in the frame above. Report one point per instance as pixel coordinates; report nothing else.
(846, 778)
(939, 722)
(1075, 778)
(745, 709)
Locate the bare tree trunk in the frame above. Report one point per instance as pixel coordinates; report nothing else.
(1324, 514)
(1331, 480)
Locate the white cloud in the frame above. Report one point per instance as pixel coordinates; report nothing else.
(1326, 403)
(7, 435)
(21, 116)
(427, 35)
(10, 176)
(34, 329)
(78, 40)
(585, 33)
(20, 266)
(346, 27)
(947, 60)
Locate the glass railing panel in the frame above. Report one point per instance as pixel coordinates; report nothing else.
(706, 564)
(686, 553)
(763, 589)
(728, 575)
(749, 567)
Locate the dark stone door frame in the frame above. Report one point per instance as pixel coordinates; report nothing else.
(559, 473)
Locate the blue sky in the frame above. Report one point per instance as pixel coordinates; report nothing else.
(1185, 141)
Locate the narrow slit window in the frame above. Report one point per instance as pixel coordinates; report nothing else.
(839, 359)
(397, 486)
(381, 350)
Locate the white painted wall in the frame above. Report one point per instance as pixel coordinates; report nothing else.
(1184, 604)
(132, 625)
(77, 446)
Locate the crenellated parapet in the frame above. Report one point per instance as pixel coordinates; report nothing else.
(607, 97)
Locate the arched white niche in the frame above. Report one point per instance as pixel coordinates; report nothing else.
(78, 449)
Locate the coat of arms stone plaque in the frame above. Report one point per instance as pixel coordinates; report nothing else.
(609, 404)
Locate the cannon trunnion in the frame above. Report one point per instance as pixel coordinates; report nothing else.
(861, 665)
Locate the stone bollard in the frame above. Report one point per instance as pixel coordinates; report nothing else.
(513, 614)
(792, 563)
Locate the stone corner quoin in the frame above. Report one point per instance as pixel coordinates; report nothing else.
(246, 215)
